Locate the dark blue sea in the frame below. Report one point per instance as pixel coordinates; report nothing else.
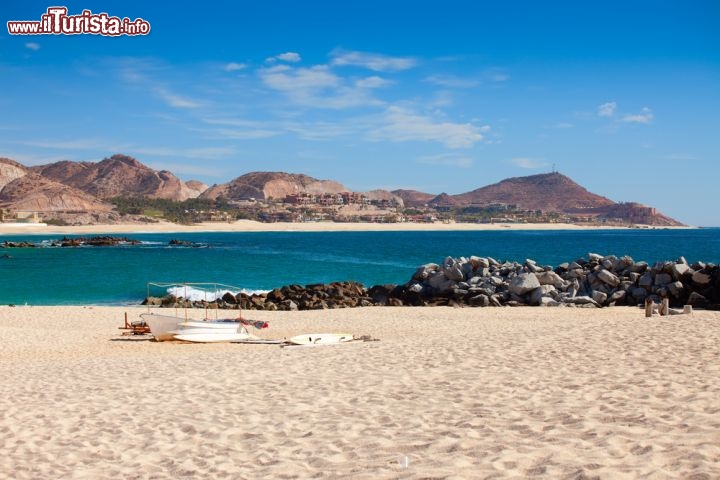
(265, 260)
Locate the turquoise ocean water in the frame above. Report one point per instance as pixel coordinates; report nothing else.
(265, 260)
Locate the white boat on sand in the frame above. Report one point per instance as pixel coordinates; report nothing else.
(168, 327)
(172, 327)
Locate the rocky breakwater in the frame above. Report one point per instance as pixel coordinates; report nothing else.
(289, 297)
(599, 281)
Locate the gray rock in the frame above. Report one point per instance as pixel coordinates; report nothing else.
(440, 283)
(599, 297)
(680, 269)
(479, 262)
(639, 293)
(415, 288)
(425, 271)
(701, 278)
(523, 283)
(639, 267)
(675, 288)
(696, 300)
(616, 296)
(608, 277)
(581, 300)
(595, 257)
(540, 292)
(662, 279)
(550, 278)
(646, 280)
(549, 302)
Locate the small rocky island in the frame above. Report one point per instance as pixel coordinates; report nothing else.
(598, 281)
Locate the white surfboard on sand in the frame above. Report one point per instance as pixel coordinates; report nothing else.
(320, 338)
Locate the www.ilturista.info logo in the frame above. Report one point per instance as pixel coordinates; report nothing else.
(57, 22)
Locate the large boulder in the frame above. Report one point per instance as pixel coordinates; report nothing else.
(523, 283)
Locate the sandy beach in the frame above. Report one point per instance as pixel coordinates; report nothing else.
(253, 226)
(445, 393)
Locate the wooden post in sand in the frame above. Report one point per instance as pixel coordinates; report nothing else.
(648, 307)
(665, 306)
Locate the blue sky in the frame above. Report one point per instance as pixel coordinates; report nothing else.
(623, 97)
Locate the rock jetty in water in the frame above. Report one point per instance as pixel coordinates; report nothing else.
(599, 281)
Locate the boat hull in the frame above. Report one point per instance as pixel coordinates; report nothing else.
(167, 327)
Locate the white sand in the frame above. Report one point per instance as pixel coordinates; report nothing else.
(445, 393)
(252, 226)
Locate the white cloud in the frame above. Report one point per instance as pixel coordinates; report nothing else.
(528, 163)
(402, 125)
(645, 116)
(372, 61)
(291, 57)
(452, 81)
(233, 67)
(33, 46)
(245, 134)
(372, 82)
(685, 157)
(563, 125)
(447, 160)
(316, 87)
(177, 101)
(607, 109)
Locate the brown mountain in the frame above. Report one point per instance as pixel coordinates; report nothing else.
(119, 175)
(414, 198)
(33, 192)
(277, 185)
(551, 192)
(9, 171)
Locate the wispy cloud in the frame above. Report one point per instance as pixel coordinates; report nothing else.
(402, 125)
(77, 144)
(233, 67)
(452, 81)
(317, 87)
(680, 157)
(528, 163)
(373, 82)
(291, 57)
(177, 101)
(447, 160)
(33, 46)
(372, 61)
(645, 116)
(607, 109)
(563, 125)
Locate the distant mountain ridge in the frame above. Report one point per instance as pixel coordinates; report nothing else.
(68, 185)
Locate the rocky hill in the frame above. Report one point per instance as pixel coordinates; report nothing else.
(33, 192)
(548, 192)
(119, 175)
(83, 186)
(266, 185)
(413, 198)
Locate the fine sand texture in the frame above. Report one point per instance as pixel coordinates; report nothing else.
(253, 226)
(444, 393)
